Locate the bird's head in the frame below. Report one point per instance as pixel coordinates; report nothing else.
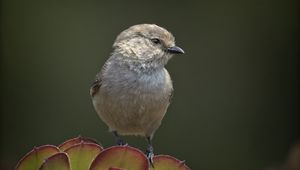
(146, 43)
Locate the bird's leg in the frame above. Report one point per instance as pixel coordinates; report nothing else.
(119, 140)
(149, 151)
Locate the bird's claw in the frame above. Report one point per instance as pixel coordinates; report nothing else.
(121, 142)
(150, 155)
(150, 158)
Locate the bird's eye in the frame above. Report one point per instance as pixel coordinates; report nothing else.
(155, 40)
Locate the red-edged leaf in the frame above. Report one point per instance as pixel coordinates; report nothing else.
(81, 155)
(125, 157)
(59, 161)
(67, 144)
(34, 159)
(166, 162)
(113, 168)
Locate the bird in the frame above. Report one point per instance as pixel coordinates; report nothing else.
(132, 91)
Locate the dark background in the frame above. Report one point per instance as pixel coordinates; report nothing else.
(236, 89)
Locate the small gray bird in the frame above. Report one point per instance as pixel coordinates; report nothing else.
(132, 92)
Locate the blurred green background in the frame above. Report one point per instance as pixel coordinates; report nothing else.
(236, 100)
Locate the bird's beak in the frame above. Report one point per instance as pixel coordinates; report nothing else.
(175, 50)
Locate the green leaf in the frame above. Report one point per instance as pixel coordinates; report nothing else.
(34, 159)
(59, 161)
(125, 157)
(81, 155)
(67, 144)
(166, 162)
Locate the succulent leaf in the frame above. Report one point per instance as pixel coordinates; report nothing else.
(34, 159)
(81, 155)
(59, 161)
(166, 162)
(122, 157)
(68, 143)
(113, 168)
(84, 153)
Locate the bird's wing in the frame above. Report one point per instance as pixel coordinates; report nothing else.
(98, 81)
(171, 95)
(96, 85)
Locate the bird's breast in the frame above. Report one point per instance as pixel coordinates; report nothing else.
(131, 102)
(131, 88)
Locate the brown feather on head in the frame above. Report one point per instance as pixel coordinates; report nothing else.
(149, 31)
(146, 42)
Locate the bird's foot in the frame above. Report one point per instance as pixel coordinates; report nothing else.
(149, 153)
(121, 142)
